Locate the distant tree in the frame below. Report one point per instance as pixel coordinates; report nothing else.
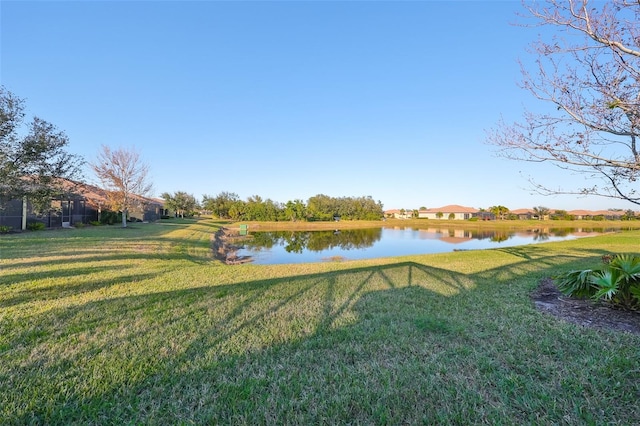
(415, 214)
(439, 215)
(181, 202)
(295, 210)
(221, 204)
(323, 207)
(541, 212)
(452, 216)
(402, 213)
(499, 211)
(262, 210)
(32, 165)
(123, 175)
(237, 210)
(628, 215)
(561, 215)
(588, 74)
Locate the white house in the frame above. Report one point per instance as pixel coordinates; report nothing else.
(453, 211)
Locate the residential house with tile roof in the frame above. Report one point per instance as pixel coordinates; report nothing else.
(452, 211)
(80, 203)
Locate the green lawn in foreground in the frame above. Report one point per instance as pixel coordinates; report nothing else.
(116, 326)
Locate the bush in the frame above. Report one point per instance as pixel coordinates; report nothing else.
(617, 281)
(79, 225)
(35, 226)
(4, 229)
(109, 218)
(95, 223)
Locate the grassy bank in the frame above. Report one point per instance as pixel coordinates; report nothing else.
(108, 325)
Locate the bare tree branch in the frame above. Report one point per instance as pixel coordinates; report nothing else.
(589, 73)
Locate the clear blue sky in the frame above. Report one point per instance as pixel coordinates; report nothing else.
(288, 99)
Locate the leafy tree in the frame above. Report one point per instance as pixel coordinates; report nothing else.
(221, 204)
(35, 164)
(261, 210)
(295, 210)
(541, 212)
(628, 215)
(321, 207)
(124, 176)
(181, 202)
(499, 211)
(588, 74)
(561, 215)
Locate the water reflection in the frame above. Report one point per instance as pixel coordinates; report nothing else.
(314, 246)
(299, 241)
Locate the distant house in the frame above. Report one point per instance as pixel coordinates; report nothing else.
(398, 213)
(82, 203)
(590, 214)
(453, 211)
(524, 214)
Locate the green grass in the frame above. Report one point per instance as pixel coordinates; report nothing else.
(104, 325)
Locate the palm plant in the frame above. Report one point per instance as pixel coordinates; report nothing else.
(617, 282)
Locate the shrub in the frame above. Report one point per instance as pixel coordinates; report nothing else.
(4, 229)
(617, 281)
(109, 217)
(79, 225)
(35, 226)
(95, 223)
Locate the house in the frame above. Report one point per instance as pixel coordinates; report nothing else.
(453, 211)
(524, 214)
(590, 214)
(399, 213)
(80, 203)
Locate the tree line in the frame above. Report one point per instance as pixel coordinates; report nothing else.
(228, 205)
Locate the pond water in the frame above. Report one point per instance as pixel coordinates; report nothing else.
(280, 247)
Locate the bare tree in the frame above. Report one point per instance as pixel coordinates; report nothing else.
(124, 176)
(589, 75)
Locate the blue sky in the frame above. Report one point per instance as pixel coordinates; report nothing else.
(288, 99)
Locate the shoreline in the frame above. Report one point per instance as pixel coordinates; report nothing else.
(225, 248)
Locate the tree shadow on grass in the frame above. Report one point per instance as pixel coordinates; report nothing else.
(392, 344)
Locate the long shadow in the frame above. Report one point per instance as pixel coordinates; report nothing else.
(374, 331)
(56, 292)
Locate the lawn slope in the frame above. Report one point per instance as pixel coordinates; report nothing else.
(107, 325)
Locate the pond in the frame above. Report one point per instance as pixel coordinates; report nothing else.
(280, 247)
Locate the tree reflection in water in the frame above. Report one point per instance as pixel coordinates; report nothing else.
(299, 241)
(301, 246)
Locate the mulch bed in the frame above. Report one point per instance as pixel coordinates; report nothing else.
(584, 312)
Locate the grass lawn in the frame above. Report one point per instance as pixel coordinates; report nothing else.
(104, 325)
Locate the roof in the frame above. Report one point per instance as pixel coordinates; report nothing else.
(99, 196)
(522, 211)
(452, 208)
